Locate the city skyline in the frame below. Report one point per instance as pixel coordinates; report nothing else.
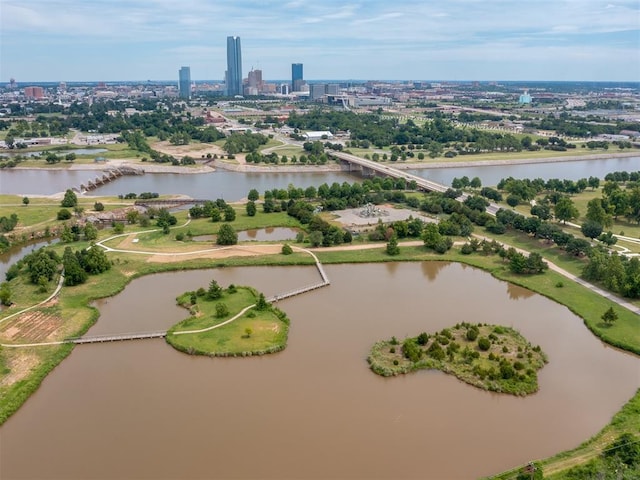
(86, 40)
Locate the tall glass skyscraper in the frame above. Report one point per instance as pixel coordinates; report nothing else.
(234, 67)
(296, 77)
(184, 84)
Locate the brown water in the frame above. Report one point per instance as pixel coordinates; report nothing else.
(143, 410)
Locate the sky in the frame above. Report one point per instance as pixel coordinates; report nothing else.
(485, 40)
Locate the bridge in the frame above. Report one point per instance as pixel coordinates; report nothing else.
(116, 338)
(365, 165)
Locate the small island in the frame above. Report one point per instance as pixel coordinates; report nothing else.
(231, 322)
(490, 357)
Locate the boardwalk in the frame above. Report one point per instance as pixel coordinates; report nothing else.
(116, 338)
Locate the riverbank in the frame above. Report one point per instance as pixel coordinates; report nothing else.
(242, 167)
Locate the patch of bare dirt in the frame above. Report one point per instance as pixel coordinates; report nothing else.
(237, 251)
(194, 150)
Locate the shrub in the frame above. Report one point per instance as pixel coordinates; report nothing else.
(423, 338)
(472, 334)
(395, 362)
(180, 237)
(484, 344)
(64, 214)
(286, 249)
(392, 350)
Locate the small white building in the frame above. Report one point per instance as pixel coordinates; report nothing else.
(320, 135)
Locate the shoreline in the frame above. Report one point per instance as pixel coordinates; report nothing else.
(151, 167)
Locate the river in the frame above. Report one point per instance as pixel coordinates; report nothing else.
(143, 410)
(234, 186)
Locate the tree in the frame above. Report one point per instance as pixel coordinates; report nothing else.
(5, 294)
(229, 214)
(226, 235)
(262, 303)
(591, 229)
(25, 201)
(597, 213)
(90, 232)
(215, 291)
(610, 316)
(221, 310)
(392, 246)
(74, 274)
(94, 260)
(70, 199)
(251, 208)
(253, 195)
(565, 210)
(63, 214)
(98, 206)
(286, 249)
(316, 238)
(248, 332)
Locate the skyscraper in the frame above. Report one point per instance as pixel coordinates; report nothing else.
(296, 77)
(184, 84)
(234, 67)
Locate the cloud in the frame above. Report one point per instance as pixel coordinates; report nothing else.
(343, 38)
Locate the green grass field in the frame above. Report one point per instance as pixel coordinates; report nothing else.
(255, 332)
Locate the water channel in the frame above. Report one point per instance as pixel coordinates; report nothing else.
(234, 186)
(143, 410)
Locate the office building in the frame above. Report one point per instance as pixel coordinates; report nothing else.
(234, 67)
(184, 84)
(296, 77)
(317, 91)
(34, 92)
(255, 81)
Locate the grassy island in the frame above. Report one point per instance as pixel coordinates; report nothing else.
(236, 321)
(491, 357)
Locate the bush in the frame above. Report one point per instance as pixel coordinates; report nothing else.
(286, 249)
(484, 344)
(472, 334)
(64, 214)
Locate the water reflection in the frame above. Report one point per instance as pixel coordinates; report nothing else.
(431, 269)
(516, 292)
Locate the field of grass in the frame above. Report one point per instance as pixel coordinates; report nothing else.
(255, 332)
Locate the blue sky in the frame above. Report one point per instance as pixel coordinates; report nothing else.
(79, 40)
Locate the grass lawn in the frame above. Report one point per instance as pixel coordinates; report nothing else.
(255, 332)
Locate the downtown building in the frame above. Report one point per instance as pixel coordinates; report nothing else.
(184, 83)
(233, 76)
(296, 77)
